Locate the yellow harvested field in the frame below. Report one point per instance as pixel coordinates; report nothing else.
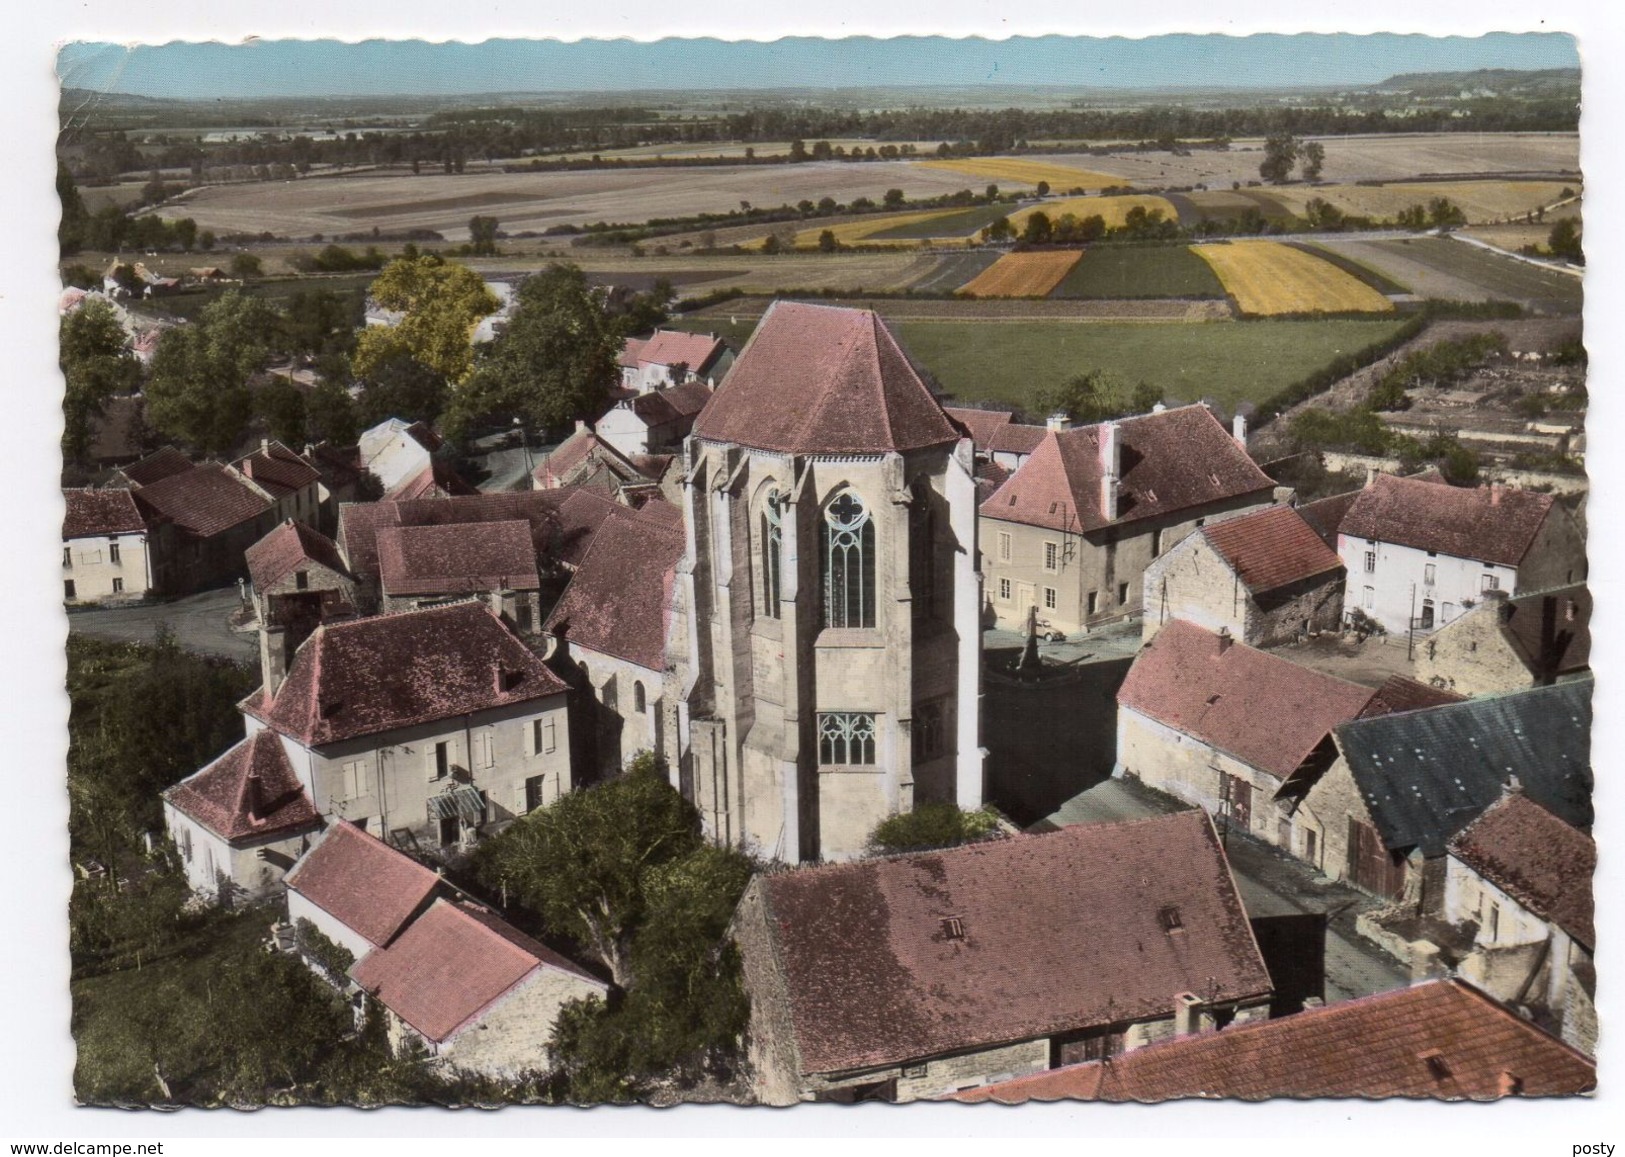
(859, 232)
(1113, 209)
(1483, 201)
(1023, 274)
(1025, 172)
(1266, 277)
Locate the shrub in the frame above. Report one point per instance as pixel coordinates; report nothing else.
(932, 825)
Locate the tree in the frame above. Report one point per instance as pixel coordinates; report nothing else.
(246, 265)
(932, 825)
(827, 242)
(1043, 188)
(402, 387)
(998, 230)
(96, 366)
(320, 321)
(441, 302)
(70, 232)
(330, 414)
(281, 406)
(1314, 156)
(482, 236)
(555, 362)
(1096, 396)
(893, 199)
(1564, 241)
(198, 389)
(1280, 154)
(646, 311)
(1037, 230)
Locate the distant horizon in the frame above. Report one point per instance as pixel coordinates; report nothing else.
(295, 69)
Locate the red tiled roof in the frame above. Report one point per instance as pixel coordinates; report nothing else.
(557, 467)
(1060, 931)
(93, 512)
(1271, 548)
(204, 501)
(1266, 711)
(1541, 862)
(982, 424)
(359, 521)
(1401, 694)
(579, 518)
(249, 791)
(277, 469)
(1462, 523)
(390, 671)
(1171, 462)
(619, 600)
(458, 559)
(662, 513)
(158, 465)
(669, 346)
(362, 882)
(630, 351)
(1326, 514)
(286, 549)
(665, 407)
(450, 965)
(817, 379)
(1376, 1046)
(1015, 438)
(437, 478)
(989, 477)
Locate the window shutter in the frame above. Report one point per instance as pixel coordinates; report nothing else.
(488, 755)
(548, 739)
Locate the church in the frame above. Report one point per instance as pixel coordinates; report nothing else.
(832, 669)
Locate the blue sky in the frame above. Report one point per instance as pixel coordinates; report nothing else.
(326, 67)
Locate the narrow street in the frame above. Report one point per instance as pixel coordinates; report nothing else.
(199, 623)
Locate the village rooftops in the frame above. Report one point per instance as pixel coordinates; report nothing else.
(575, 451)
(461, 558)
(619, 600)
(362, 882)
(392, 671)
(670, 347)
(1399, 693)
(1169, 462)
(359, 522)
(661, 407)
(1541, 862)
(1267, 711)
(286, 549)
(157, 466)
(1424, 775)
(1325, 515)
(97, 512)
(818, 379)
(249, 792)
(1015, 438)
(204, 501)
(451, 964)
(277, 469)
(981, 425)
(913, 956)
(1495, 524)
(1271, 548)
(1441, 1039)
(435, 478)
(1549, 630)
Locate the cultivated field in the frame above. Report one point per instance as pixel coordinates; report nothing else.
(1229, 362)
(536, 201)
(1059, 172)
(1449, 270)
(1266, 277)
(863, 230)
(957, 223)
(1031, 274)
(731, 149)
(1482, 201)
(1139, 271)
(758, 273)
(1113, 210)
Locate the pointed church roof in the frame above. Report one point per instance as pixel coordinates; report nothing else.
(818, 379)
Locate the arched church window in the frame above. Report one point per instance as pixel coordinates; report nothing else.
(849, 563)
(772, 533)
(640, 700)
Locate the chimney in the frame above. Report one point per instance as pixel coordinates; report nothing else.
(1238, 430)
(254, 797)
(1060, 422)
(1186, 1006)
(274, 648)
(1424, 961)
(1111, 467)
(580, 425)
(1158, 408)
(1508, 1084)
(1225, 639)
(265, 446)
(1514, 785)
(1311, 1003)
(1495, 493)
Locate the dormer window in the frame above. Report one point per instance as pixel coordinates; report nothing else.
(1170, 919)
(953, 928)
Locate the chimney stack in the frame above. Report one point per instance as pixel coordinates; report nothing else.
(1238, 430)
(1186, 1006)
(1060, 422)
(1495, 493)
(1225, 639)
(265, 445)
(274, 648)
(1111, 468)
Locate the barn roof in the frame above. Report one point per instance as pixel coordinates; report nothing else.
(205, 500)
(1494, 523)
(1537, 859)
(97, 512)
(362, 882)
(1271, 548)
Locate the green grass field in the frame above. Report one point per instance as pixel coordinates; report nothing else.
(1229, 362)
(958, 225)
(1139, 271)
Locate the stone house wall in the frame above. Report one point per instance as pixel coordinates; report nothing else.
(255, 868)
(1473, 656)
(88, 564)
(510, 1037)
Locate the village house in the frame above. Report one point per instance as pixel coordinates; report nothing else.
(395, 451)
(421, 566)
(455, 981)
(671, 357)
(835, 662)
(1520, 878)
(241, 822)
(1229, 728)
(1443, 1039)
(1409, 781)
(1072, 531)
(1419, 552)
(1508, 642)
(587, 461)
(916, 976)
(436, 480)
(427, 727)
(299, 581)
(615, 623)
(654, 421)
(666, 379)
(213, 515)
(107, 547)
(292, 484)
(1265, 577)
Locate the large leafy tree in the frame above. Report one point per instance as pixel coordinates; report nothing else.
(442, 302)
(96, 366)
(555, 362)
(198, 391)
(400, 386)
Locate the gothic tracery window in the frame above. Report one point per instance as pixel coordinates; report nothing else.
(772, 550)
(846, 737)
(849, 563)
